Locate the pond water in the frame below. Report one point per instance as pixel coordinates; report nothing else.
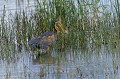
(101, 63)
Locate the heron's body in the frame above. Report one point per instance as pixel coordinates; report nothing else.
(44, 40)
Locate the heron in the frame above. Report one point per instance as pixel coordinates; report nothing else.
(44, 41)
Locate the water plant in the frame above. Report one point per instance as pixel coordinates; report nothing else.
(87, 23)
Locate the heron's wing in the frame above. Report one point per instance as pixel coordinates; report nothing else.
(47, 40)
(44, 40)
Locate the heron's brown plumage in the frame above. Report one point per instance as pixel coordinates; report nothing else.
(44, 40)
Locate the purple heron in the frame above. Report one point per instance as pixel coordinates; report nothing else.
(45, 40)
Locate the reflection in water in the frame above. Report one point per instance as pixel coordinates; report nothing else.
(43, 59)
(99, 64)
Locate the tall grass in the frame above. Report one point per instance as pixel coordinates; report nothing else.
(89, 24)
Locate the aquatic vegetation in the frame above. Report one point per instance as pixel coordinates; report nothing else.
(87, 23)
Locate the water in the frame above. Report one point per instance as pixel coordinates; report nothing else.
(11, 6)
(73, 64)
(101, 63)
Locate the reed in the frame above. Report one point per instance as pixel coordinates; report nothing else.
(87, 22)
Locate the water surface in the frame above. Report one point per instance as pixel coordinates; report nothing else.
(73, 64)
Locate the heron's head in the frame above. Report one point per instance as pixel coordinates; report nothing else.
(59, 26)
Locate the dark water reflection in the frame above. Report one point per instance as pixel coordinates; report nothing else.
(99, 64)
